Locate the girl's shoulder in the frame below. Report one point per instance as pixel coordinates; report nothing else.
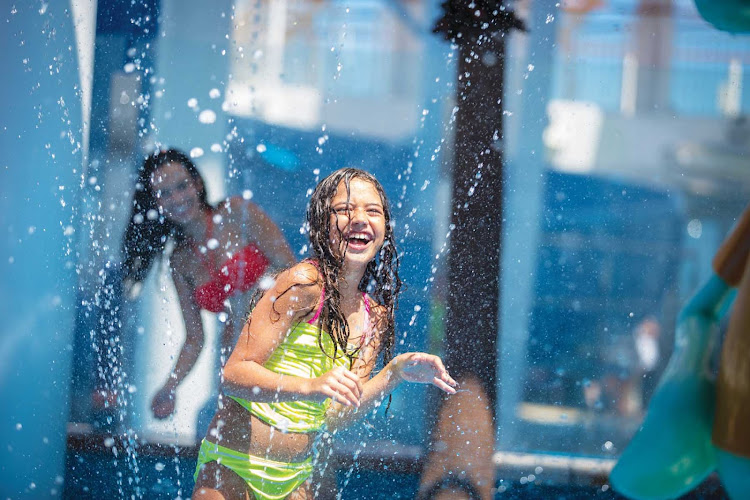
(306, 273)
(303, 278)
(238, 205)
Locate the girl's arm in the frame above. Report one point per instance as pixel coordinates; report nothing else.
(729, 261)
(163, 403)
(417, 367)
(294, 295)
(266, 234)
(715, 297)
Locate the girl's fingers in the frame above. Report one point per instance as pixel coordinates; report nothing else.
(438, 364)
(354, 378)
(347, 394)
(442, 385)
(449, 380)
(336, 397)
(352, 385)
(444, 375)
(442, 372)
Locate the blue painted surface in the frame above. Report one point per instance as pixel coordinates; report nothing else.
(39, 178)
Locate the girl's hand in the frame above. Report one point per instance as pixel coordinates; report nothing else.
(339, 384)
(163, 404)
(423, 368)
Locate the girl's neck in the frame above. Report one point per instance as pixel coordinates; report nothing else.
(349, 283)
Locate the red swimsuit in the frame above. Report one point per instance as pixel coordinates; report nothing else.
(237, 274)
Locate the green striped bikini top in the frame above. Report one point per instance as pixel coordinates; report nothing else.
(299, 355)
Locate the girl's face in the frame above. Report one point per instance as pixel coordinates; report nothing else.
(176, 193)
(357, 227)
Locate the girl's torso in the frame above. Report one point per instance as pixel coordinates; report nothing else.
(235, 427)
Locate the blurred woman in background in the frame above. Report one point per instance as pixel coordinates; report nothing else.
(214, 252)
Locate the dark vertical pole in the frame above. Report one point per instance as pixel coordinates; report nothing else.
(478, 28)
(463, 435)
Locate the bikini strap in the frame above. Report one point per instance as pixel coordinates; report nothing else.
(320, 307)
(368, 334)
(322, 295)
(365, 339)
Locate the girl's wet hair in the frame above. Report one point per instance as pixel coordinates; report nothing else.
(148, 230)
(381, 280)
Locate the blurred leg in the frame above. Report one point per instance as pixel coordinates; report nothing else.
(462, 445)
(216, 482)
(731, 430)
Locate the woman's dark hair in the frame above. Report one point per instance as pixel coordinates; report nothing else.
(381, 278)
(148, 230)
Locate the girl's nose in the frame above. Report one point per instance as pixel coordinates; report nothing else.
(357, 216)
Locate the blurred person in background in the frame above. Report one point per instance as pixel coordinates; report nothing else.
(213, 253)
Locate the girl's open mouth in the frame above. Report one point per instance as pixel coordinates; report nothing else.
(358, 241)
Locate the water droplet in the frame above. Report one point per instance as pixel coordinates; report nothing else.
(212, 244)
(214, 93)
(266, 283)
(695, 228)
(159, 466)
(260, 148)
(192, 102)
(196, 152)
(152, 214)
(247, 194)
(207, 116)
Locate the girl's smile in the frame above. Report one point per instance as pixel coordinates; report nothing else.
(357, 222)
